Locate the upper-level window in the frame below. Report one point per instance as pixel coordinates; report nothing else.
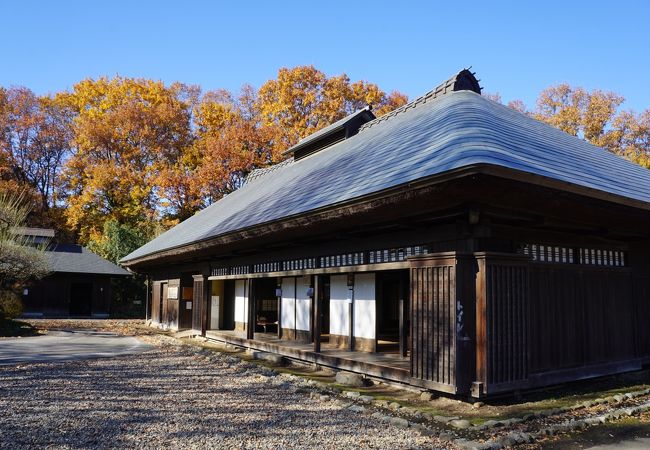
(573, 255)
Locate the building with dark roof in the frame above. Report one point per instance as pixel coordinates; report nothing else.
(79, 284)
(453, 244)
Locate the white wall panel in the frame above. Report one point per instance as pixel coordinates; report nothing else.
(303, 304)
(288, 303)
(340, 296)
(241, 301)
(365, 309)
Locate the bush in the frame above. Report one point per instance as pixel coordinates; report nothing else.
(11, 306)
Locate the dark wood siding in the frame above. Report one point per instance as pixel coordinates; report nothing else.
(642, 313)
(52, 295)
(197, 300)
(507, 323)
(155, 302)
(580, 316)
(433, 321)
(502, 313)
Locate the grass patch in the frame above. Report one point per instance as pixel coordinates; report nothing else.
(16, 328)
(613, 433)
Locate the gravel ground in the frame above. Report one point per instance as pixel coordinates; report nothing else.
(177, 396)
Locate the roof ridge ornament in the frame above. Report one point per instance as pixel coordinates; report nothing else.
(465, 80)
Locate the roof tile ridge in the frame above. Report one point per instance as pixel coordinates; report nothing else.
(256, 174)
(441, 89)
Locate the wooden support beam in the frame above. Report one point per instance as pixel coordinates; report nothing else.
(279, 297)
(205, 311)
(250, 328)
(147, 298)
(351, 330)
(403, 348)
(318, 320)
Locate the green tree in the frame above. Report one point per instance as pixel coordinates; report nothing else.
(117, 241)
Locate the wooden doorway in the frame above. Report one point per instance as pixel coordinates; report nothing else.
(266, 305)
(392, 310)
(81, 297)
(324, 308)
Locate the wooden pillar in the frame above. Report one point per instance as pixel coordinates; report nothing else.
(207, 293)
(318, 320)
(402, 328)
(278, 290)
(351, 330)
(147, 298)
(250, 329)
(351, 314)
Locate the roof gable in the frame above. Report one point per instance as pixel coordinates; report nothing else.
(336, 132)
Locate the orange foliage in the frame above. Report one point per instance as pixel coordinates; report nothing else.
(303, 100)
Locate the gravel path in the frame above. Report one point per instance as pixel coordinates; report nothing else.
(177, 396)
(67, 345)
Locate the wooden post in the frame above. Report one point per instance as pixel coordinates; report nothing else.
(402, 328)
(351, 331)
(206, 310)
(147, 298)
(318, 320)
(351, 313)
(250, 330)
(279, 309)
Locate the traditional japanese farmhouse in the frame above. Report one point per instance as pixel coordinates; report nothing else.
(79, 284)
(453, 244)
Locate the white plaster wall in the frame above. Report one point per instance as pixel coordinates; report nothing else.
(288, 319)
(365, 308)
(241, 303)
(339, 310)
(303, 304)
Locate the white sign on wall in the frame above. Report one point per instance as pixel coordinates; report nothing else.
(214, 309)
(172, 292)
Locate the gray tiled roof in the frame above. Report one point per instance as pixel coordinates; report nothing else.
(453, 131)
(77, 259)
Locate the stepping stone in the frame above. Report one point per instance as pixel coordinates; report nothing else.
(350, 379)
(461, 424)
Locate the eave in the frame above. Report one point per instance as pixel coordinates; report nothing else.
(392, 195)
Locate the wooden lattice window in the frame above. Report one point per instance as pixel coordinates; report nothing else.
(545, 253)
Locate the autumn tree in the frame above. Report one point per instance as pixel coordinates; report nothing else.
(595, 117)
(303, 100)
(126, 132)
(34, 143)
(231, 141)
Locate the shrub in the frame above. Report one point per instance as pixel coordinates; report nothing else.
(11, 306)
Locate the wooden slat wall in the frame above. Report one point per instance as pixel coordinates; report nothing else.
(197, 303)
(164, 315)
(581, 316)
(502, 322)
(642, 311)
(155, 302)
(506, 322)
(433, 322)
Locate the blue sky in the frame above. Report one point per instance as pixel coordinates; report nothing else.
(516, 48)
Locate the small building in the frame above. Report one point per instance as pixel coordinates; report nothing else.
(453, 244)
(79, 284)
